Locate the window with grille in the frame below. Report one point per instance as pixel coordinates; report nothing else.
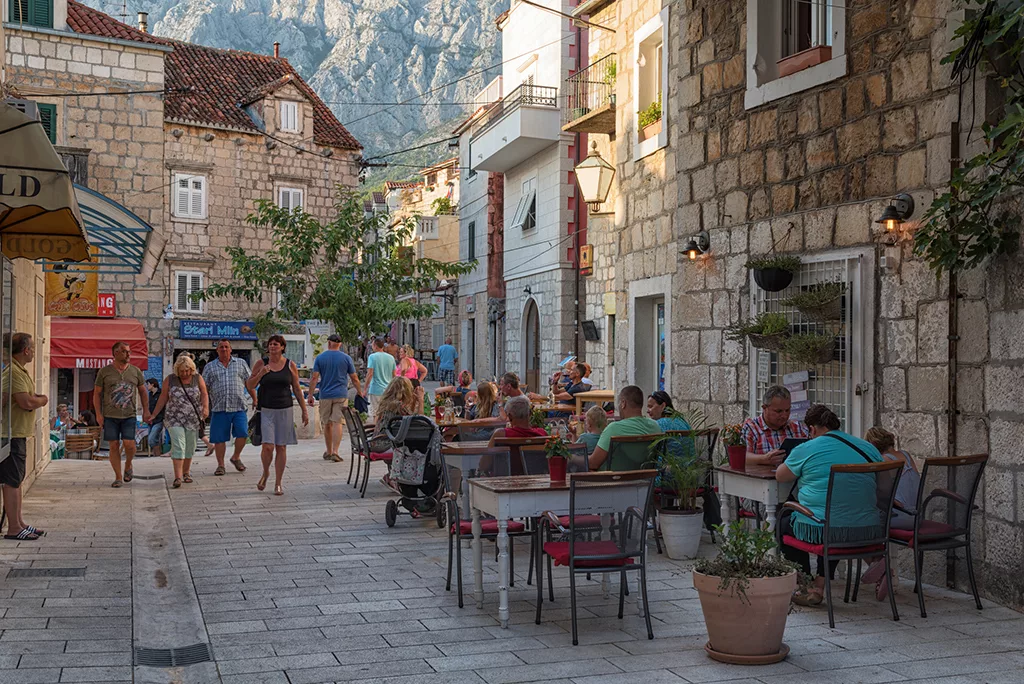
(186, 284)
(32, 12)
(841, 383)
(289, 198)
(471, 242)
(189, 196)
(290, 117)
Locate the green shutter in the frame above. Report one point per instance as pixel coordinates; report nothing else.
(19, 12)
(42, 13)
(48, 117)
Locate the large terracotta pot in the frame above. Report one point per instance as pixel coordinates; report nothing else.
(751, 627)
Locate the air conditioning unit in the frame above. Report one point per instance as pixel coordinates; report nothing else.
(24, 106)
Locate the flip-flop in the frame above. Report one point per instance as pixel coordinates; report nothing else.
(239, 466)
(36, 530)
(128, 474)
(116, 483)
(874, 573)
(219, 471)
(24, 535)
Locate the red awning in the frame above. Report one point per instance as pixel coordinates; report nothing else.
(86, 342)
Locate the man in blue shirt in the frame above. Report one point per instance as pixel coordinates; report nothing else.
(333, 369)
(447, 355)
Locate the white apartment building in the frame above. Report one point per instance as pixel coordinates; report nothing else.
(521, 138)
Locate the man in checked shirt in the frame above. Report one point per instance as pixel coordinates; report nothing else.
(765, 434)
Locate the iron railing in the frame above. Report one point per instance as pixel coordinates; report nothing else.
(590, 89)
(525, 95)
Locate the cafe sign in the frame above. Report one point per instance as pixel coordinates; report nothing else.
(217, 330)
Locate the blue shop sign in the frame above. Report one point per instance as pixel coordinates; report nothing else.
(217, 330)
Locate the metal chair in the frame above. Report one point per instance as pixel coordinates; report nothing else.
(943, 513)
(368, 455)
(624, 552)
(351, 419)
(877, 482)
(515, 444)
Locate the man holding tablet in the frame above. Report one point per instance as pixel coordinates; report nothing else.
(768, 435)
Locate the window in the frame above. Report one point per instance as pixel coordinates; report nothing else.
(290, 117)
(186, 284)
(471, 241)
(777, 29)
(650, 80)
(189, 196)
(431, 180)
(526, 212)
(48, 117)
(289, 198)
(436, 335)
(32, 12)
(295, 349)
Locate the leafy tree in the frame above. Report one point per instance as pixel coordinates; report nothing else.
(351, 271)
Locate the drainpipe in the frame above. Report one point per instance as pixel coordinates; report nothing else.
(577, 141)
(953, 298)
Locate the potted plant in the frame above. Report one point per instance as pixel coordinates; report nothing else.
(680, 519)
(804, 59)
(558, 457)
(767, 331)
(810, 348)
(735, 449)
(649, 120)
(610, 71)
(745, 592)
(538, 418)
(774, 272)
(820, 302)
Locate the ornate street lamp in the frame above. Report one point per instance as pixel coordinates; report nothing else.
(594, 176)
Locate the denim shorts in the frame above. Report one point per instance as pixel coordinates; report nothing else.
(118, 429)
(225, 425)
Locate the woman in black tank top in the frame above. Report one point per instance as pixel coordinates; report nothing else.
(278, 381)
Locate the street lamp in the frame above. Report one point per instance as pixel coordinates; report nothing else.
(594, 176)
(899, 210)
(698, 244)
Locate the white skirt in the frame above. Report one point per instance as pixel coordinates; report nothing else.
(278, 426)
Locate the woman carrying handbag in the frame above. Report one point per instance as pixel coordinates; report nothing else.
(187, 404)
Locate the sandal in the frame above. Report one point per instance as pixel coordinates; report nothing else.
(262, 484)
(128, 473)
(807, 598)
(25, 535)
(176, 483)
(219, 471)
(187, 478)
(36, 530)
(116, 483)
(336, 458)
(278, 491)
(239, 466)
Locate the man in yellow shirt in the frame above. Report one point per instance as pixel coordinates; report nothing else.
(24, 403)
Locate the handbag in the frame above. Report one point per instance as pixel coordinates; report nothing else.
(256, 428)
(202, 423)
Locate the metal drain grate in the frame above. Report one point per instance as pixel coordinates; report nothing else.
(147, 477)
(173, 657)
(45, 572)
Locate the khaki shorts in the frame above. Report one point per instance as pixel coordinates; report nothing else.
(330, 410)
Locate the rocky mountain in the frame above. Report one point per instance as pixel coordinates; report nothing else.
(355, 53)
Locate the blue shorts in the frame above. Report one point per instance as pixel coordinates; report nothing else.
(225, 425)
(119, 429)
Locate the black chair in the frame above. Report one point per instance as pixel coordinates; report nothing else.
(943, 513)
(351, 420)
(626, 550)
(368, 454)
(477, 432)
(487, 462)
(882, 479)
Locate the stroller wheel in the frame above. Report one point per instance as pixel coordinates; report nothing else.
(391, 513)
(440, 516)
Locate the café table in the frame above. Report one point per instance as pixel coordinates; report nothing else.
(466, 457)
(593, 397)
(756, 482)
(528, 496)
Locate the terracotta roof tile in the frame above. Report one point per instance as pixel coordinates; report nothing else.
(402, 185)
(211, 86)
(378, 197)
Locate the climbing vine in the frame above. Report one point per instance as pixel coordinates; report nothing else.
(970, 222)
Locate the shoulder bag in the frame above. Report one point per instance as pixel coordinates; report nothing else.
(202, 423)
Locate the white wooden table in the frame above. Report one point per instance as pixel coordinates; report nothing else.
(528, 496)
(756, 482)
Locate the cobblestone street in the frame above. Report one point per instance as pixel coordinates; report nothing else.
(313, 587)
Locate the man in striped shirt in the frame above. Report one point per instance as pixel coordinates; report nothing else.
(225, 379)
(765, 434)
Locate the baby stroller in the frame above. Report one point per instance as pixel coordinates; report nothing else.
(416, 445)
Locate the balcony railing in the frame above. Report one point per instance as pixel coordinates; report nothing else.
(589, 105)
(526, 95)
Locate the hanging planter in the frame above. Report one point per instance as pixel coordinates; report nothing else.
(767, 331)
(810, 348)
(774, 272)
(821, 302)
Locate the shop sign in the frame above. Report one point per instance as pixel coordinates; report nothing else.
(72, 292)
(106, 305)
(586, 260)
(216, 330)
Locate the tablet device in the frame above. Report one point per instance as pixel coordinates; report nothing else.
(791, 443)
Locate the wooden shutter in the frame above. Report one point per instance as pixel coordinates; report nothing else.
(181, 292)
(181, 189)
(42, 13)
(197, 197)
(195, 285)
(48, 117)
(471, 241)
(19, 12)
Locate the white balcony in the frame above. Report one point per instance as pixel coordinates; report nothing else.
(521, 125)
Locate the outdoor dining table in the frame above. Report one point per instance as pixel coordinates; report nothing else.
(528, 496)
(755, 482)
(466, 457)
(593, 397)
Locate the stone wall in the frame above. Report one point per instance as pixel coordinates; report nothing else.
(810, 172)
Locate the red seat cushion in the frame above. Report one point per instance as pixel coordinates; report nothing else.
(928, 528)
(744, 513)
(381, 455)
(581, 520)
(559, 552)
(819, 549)
(488, 526)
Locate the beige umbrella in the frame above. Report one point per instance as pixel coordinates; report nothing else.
(39, 216)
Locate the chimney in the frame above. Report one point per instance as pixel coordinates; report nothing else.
(277, 49)
(144, 22)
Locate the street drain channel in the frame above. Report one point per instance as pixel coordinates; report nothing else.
(45, 572)
(147, 477)
(173, 657)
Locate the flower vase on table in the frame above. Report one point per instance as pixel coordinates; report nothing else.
(735, 449)
(558, 458)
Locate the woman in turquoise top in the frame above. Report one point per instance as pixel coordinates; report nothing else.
(661, 411)
(853, 512)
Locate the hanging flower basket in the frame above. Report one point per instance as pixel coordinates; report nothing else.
(822, 302)
(774, 272)
(767, 331)
(810, 348)
(768, 342)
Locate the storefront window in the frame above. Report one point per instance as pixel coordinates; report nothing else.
(7, 325)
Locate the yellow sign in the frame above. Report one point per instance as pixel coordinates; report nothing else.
(72, 292)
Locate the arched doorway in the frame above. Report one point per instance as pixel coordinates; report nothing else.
(531, 346)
